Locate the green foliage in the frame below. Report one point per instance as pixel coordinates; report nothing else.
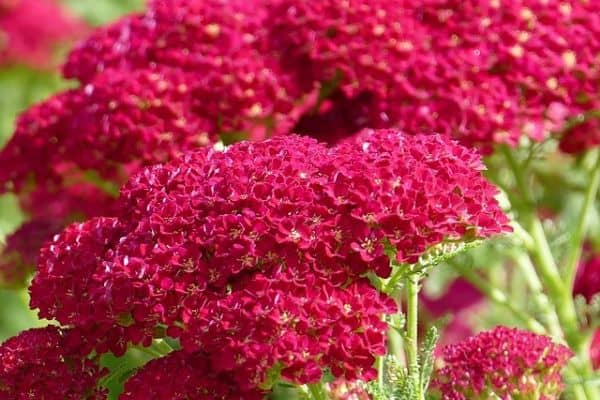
(121, 368)
(15, 315)
(20, 87)
(395, 383)
(10, 215)
(98, 12)
(444, 252)
(426, 356)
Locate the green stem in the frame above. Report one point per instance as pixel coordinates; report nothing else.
(393, 281)
(523, 235)
(560, 293)
(380, 371)
(523, 262)
(395, 344)
(412, 345)
(317, 391)
(498, 297)
(153, 353)
(578, 235)
(546, 266)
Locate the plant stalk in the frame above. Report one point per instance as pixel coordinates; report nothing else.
(412, 345)
(559, 292)
(578, 235)
(317, 391)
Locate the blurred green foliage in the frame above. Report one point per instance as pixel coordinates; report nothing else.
(20, 87)
(99, 12)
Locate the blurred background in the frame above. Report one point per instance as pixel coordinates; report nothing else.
(34, 37)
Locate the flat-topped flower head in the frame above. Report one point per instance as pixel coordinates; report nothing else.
(255, 254)
(119, 118)
(364, 44)
(484, 72)
(220, 42)
(32, 30)
(505, 362)
(541, 54)
(417, 191)
(45, 364)
(182, 376)
(48, 211)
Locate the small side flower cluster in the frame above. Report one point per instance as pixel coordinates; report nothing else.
(504, 362)
(195, 379)
(30, 31)
(48, 210)
(254, 257)
(45, 363)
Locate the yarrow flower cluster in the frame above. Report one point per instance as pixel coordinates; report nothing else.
(45, 363)
(483, 72)
(30, 31)
(254, 255)
(504, 362)
(120, 118)
(48, 210)
(194, 379)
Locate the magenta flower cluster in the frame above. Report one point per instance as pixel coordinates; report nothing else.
(254, 257)
(195, 379)
(504, 362)
(482, 71)
(48, 210)
(31, 31)
(46, 363)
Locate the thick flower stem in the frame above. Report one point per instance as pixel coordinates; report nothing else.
(578, 234)
(380, 362)
(317, 391)
(559, 292)
(412, 345)
(525, 265)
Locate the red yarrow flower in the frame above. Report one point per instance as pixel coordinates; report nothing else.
(120, 118)
(505, 362)
(587, 280)
(31, 31)
(417, 192)
(225, 247)
(219, 41)
(48, 211)
(482, 72)
(45, 363)
(182, 376)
